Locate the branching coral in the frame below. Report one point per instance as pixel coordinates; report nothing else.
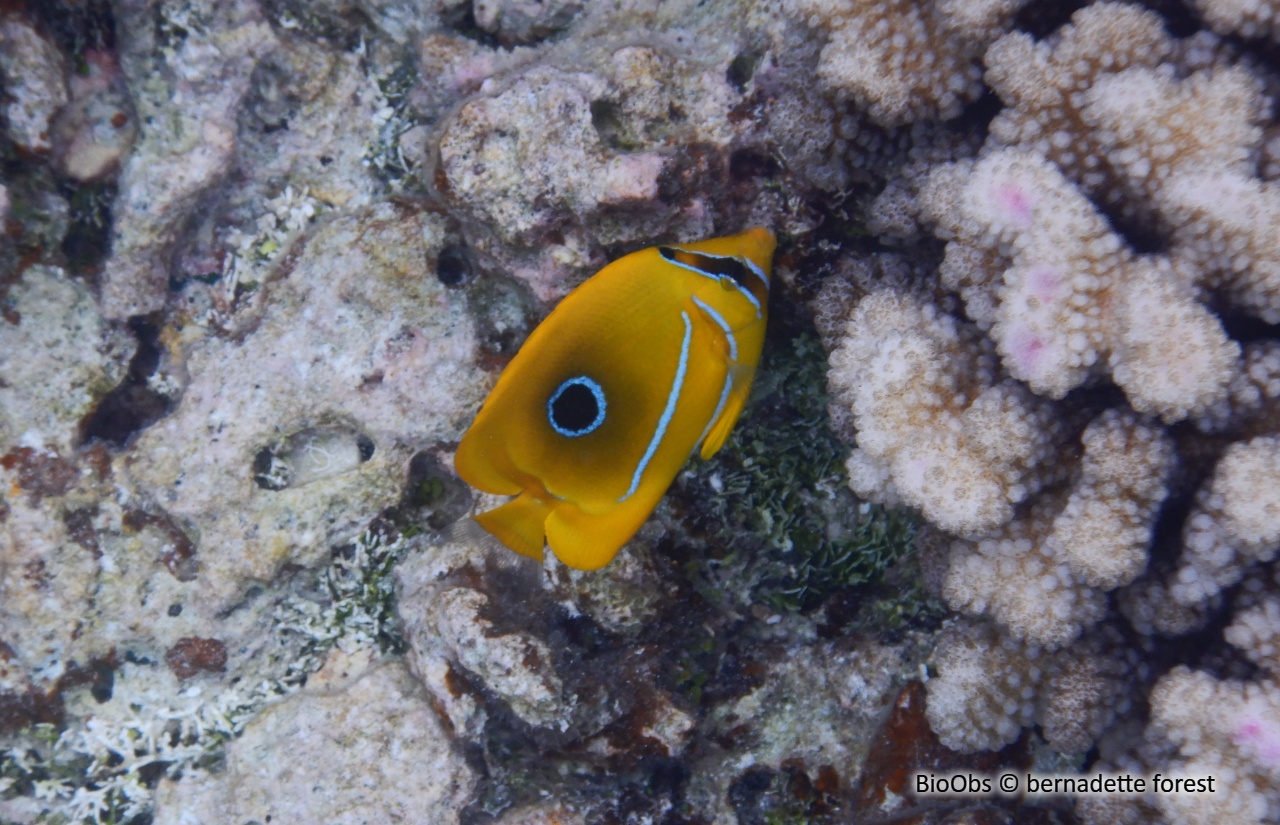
(1252, 405)
(1041, 84)
(1105, 527)
(1236, 519)
(1192, 162)
(1063, 295)
(1187, 163)
(902, 60)
(1250, 18)
(1256, 632)
(988, 687)
(1051, 605)
(1069, 547)
(936, 430)
(1202, 725)
(1113, 220)
(1234, 524)
(1238, 742)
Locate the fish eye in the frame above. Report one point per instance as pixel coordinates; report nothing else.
(712, 266)
(577, 407)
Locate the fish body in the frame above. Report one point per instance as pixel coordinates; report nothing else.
(648, 361)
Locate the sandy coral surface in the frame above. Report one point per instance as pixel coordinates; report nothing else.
(1006, 496)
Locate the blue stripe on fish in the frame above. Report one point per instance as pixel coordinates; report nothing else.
(672, 397)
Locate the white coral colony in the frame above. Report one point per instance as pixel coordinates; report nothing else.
(1025, 401)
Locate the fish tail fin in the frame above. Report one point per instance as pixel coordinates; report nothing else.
(520, 524)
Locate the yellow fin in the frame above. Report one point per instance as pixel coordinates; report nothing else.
(740, 375)
(518, 524)
(589, 541)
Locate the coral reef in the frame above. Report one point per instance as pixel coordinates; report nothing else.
(260, 259)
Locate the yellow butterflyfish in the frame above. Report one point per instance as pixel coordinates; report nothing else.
(609, 397)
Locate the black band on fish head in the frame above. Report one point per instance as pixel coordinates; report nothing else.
(713, 266)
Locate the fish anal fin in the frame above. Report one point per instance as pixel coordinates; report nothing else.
(589, 541)
(520, 524)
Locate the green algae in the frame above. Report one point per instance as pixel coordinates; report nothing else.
(783, 527)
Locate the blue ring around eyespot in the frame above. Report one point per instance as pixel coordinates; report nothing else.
(596, 390)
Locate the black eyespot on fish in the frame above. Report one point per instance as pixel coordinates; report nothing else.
(577, 407)
(713, 266)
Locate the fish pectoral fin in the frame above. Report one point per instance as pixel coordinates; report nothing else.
(740, 375)
(589, 541)
(520, 524)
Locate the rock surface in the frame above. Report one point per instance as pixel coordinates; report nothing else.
(338, 756)
(291, 437)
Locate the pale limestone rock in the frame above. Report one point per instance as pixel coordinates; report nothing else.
(35, 86)
(188, 93)
(374, 752)
(56, 361)
(288, 440)
(450, 635)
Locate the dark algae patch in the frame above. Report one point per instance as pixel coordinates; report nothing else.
(774, 506)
